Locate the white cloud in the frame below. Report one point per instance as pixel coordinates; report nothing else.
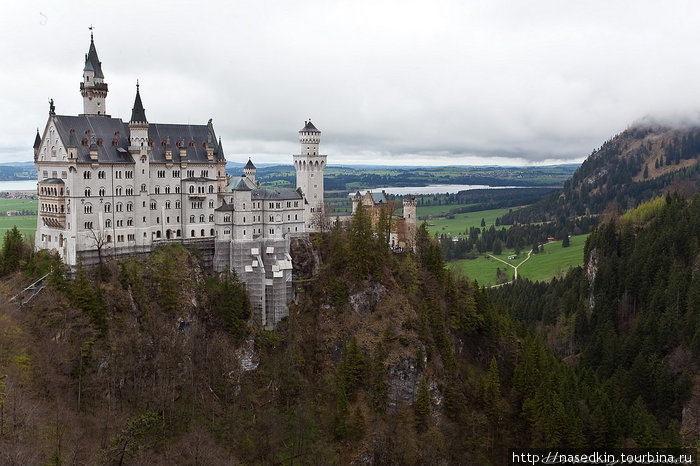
(482, 81)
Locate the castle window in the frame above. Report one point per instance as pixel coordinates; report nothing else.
(289, 204)
(86, 175)
(157, 190)
(64, 175)
(101, 191)
(88, 226)
(153, 205)
(211, 188)
(118, 174)
(128, 174)
(167, 204)
(211, 217)
(120, 223)
(101, 174)
(191, 218)
(118, 191)
(161, 173)
(177, 189)
(200, 189)
(201, 232)
(143, 188)
(130, 222)
(272, 219)
(211, 232)
(108, 207)
(295, 217)
(190, 173)
(144, 219)
(177, 204)
(191, 189)
(211, 204)
(119, 207)
(108, 223)
(176, 173)
(158, 220)
(167, 190)
(201, 218)
(129, 206)
(131, 237)
(87, 192)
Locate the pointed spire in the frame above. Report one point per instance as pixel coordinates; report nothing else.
(92, 62)
(37, 139)
(249, 165)
(138, 113)
(220, 151)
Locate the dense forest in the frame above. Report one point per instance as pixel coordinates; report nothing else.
(632, 167)
(384, 359)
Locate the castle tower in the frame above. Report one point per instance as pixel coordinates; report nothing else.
(249, 171)
(309, 166)
(93, 88)
(138, 124)
(409, 215)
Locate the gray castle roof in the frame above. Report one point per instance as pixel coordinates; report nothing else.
(138, 113)
(92, 62)
(239, 185)
(114, 134)
(308, 126)
(37, 140)
(249, 165)
(275, 194)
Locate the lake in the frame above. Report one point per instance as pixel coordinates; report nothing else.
(433, 189)
(15, 185)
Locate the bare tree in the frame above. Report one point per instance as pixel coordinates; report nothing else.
(99, 239)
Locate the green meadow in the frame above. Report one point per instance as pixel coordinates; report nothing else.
(554, 261)
(461, 223)
(26, 224)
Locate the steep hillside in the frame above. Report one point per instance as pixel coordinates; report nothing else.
(640, 163)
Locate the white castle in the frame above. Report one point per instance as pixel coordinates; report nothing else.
(109, 188)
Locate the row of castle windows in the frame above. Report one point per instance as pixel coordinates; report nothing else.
(54, 174)
(47, 191)
(51, 208)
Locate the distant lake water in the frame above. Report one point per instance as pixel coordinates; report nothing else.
(21, 185)
(433, 189)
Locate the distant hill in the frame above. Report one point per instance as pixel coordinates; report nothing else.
(634, 166)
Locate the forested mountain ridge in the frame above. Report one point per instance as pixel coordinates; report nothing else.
(384, 359)
(634, 166)
(630, 318)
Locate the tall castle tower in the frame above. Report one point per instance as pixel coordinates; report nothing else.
(93, 88)
(409, 214)
(309, 166)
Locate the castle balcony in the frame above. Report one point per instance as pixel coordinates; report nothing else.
(95, 86)
(53, 219)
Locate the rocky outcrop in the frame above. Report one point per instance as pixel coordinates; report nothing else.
(306, 259)
(365, 300)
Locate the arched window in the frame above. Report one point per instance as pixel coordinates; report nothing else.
(108, 207)
(211, 217)
(191, 218)
(153, 205)
(192, 234)
(87, 208)
(108, 223)
(201, 232)
(143, 188)
(118, 191)
(87, 192)
(211, 188)
(167, 204)
(119, 206)
(201, 218)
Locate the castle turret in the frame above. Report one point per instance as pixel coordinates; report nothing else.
(249, 171)
(138, 124)
(37, 145)
(409, 214)
(309, 166)
(93, 88)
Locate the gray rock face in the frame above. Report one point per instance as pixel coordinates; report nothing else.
(403, 380)
(365, 301)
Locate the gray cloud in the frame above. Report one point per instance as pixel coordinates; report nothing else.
(387, 82)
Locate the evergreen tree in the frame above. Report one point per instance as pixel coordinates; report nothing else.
(421, 407)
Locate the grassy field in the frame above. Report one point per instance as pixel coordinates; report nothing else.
(555, 261)
(437, 210)
(462, 222)
(26, 224)
(17, 204)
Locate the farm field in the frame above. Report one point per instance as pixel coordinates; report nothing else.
(437, 210)
(555, 261)
(26, 224)
(462, 222)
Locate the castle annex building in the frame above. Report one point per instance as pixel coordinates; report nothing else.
(109, 188)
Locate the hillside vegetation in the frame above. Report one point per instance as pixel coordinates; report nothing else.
(384, 358)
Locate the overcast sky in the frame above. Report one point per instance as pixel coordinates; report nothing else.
(388, 82)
